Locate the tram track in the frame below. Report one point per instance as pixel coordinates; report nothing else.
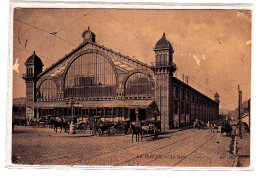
(158, 156)
(112, 146)
(127, 151)
(186, 148)
(127, 141)
(193, 151)
(182, 146)
(136, 146)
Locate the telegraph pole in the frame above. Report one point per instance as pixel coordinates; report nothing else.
(239, 110)
(249, 112)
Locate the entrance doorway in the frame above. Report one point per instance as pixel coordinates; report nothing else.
(132, 115)
(142, 114)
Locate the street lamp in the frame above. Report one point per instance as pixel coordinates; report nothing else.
(72, 129)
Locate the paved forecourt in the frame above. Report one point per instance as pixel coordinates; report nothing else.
(191, 147)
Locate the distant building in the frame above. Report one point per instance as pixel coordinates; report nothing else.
(108, 84)
(223, 111)
(19, 109)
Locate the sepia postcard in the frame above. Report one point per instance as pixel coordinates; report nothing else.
(130, 87)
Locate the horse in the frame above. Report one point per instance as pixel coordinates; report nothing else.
(82, 126)
(93, 124)
(62, 125)
(198, 124)
(136, 131)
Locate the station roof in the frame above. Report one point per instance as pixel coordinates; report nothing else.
(122, 62)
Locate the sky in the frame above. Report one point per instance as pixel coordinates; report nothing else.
(212, 47)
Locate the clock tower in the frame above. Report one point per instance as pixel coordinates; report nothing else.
(164, 68)
(89, 36)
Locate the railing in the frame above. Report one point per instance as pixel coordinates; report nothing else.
(163, 63)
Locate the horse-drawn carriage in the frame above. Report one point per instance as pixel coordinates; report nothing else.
(145, 127)
(96, 125)
(226, 128)
(107, 127)
(198, 124)
(151, 127)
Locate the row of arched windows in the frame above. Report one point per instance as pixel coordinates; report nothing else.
(161, 59)
(92, 75)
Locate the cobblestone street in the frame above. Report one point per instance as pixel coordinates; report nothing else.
(191, 147)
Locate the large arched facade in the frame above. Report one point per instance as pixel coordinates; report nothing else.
(90, 74)
(93, 80)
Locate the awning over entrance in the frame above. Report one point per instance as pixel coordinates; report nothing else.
(95, 104)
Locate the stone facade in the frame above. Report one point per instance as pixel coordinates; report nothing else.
(173, 108)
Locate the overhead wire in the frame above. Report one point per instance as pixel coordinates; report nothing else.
(32, 53)
(53, 34)
(74, 21)
(50, 33)
(125, 27)
(193, 79)
(201, 86)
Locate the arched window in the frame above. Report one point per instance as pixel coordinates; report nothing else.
(165, 59)
(48, 90)
(158, 58)
(138, 84)
(90, 75)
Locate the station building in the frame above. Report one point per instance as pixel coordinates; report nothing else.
(93, 80)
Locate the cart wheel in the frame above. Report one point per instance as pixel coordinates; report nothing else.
(99, 132)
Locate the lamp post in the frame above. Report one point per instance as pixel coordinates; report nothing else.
(72, 123)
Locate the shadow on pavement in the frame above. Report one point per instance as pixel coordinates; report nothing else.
(155, 139)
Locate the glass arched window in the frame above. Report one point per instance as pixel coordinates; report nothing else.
(48, 90)
(90, 75)
(138, 84)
